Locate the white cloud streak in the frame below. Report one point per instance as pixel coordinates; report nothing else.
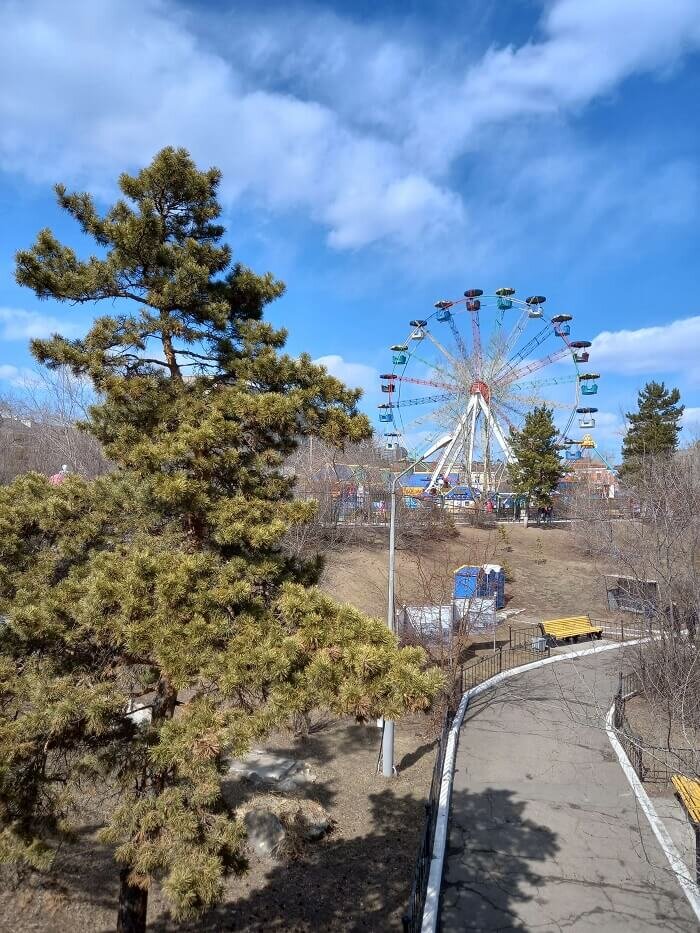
(356, 131)
(668, 348)
(354, 375)
(17, 324)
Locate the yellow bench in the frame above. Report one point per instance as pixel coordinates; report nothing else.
(570, 629)
(688, 792)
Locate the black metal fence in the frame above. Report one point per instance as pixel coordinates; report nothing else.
(502, 659)
(413, 917)
(652, 764)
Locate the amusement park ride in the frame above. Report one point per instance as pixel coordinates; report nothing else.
(470, 392)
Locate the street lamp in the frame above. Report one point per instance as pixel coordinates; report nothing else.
(388, 734)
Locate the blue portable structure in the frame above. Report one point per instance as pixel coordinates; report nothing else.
(492, 583)
(466, 581)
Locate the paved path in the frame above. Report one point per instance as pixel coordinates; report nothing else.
(545, 833)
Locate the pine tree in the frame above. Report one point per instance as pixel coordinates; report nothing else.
(653, 428)
(165, 585)
(538, 467)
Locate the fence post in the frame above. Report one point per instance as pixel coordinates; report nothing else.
(500, 659)
(510, 636)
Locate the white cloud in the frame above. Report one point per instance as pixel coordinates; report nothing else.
(668, 348)
(691, 420)
(17, 377)
(354, 375)
(355, 130)
(16, 324)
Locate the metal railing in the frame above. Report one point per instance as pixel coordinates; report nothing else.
(413, 917)
(653, 764)
(621, 630)
(502, 659)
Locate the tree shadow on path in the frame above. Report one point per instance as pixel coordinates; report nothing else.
(489, 863)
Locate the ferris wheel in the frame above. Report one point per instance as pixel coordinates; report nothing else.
(470, 371)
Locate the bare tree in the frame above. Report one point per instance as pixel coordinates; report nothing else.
(659, 548)
(40, 428)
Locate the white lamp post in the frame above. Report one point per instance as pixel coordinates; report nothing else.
(388, 734)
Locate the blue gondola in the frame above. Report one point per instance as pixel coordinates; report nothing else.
(573, 455)
(399, 359)
(589, 388)
(562, 328)
(444, 314)
(504, 294)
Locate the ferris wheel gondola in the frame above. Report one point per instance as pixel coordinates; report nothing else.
(474, 367)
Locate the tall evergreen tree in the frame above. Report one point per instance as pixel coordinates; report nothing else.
(538, 466)
(653, 428)
(165, 585)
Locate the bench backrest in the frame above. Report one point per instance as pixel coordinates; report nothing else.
(570, 625)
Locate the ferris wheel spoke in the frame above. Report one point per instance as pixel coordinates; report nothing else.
(513, 374)
(450, 387)
(514, 335)
(436, 343)
(530, 401)
(442, 372)
(425, 400)
(541, 383)
(476, 341)
(457, 337)
(525, 351)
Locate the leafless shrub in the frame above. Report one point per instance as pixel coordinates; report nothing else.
(39, 428)
(350, 487)
(661, 544)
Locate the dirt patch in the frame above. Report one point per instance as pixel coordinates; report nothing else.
(549, 572)
(357, 878)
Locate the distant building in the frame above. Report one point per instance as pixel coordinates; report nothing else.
(590, 472)
(393, 451)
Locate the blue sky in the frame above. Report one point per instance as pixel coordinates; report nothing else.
(379, 156)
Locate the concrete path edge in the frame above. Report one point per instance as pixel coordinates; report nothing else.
(432, 900)
(678, 866)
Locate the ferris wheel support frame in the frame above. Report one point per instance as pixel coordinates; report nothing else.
(467, 423)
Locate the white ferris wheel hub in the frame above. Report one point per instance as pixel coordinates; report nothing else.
(472, 369)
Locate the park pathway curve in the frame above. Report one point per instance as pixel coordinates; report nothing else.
(545, 832)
